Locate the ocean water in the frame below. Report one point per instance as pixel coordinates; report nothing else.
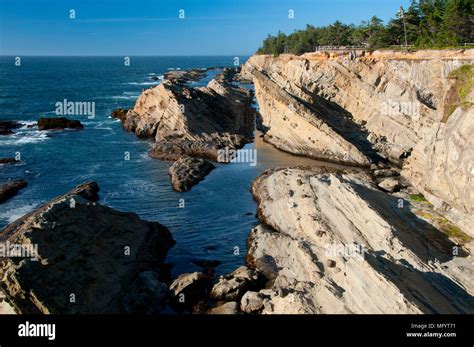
(218, 213)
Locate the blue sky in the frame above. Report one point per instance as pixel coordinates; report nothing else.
(153, 27)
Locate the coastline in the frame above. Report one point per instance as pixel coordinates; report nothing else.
(262, 287)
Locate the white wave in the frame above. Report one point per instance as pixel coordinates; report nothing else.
(134, 94)
(24, 137)
(143, 83)
(27, 124)
(17, 212)
(103, 128)
(122, 97)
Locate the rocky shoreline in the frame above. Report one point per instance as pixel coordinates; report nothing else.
(390, 234)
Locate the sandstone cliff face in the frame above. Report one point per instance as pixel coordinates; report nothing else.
(442, 167)
(381, 105)
(330, 242)
(82, 257)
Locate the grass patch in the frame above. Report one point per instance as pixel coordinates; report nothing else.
(459, 92)
(417, 198)
(454, 232)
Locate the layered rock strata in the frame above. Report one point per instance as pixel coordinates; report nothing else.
(379, 106)
(331, 242)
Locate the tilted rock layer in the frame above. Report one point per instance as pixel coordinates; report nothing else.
(331, 242)
(382, 105)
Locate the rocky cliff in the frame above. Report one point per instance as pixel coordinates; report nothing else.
(331, 242)
(378, 106)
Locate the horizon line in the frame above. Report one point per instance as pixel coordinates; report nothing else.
(122, 56)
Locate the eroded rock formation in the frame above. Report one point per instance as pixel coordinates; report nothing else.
(82, 257)
(194, 122)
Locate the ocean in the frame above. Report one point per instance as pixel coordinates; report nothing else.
(218, 213)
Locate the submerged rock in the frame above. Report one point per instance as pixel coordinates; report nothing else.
(83, 258)
(8, 161)
(6, 127)
(59, 123)
(10, 189)
(187, 172)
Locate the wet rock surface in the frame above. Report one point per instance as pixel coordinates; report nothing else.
(59, 124)
(7, 127)
(9, 189)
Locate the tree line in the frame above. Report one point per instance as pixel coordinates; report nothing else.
(425, 24)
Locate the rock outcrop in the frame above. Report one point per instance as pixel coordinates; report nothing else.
(194, 122)
(379, 106)
(331, 242)
(188, 171)
(6, 127)
(185, 76)
(59, 123)
(10, 189)
(77, 256)
(8, 161)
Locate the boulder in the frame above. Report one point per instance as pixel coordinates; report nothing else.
(390, 184)
(227, 308)
(187, 172)
(252, 302)
(386, 173)
(232, 287)
(189, 288)
(10, 189)
(82, 257)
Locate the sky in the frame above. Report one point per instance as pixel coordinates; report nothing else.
(154, 27)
